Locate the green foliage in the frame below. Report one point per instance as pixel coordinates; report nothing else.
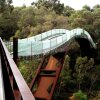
(28, 68)
(5, 5)
(68, 11)
(18, 34)
(51, 5)
(66, 73)
(82, 66)
(86, 7)
(96, 7)
(79, 96)
(44, 15)
(27, 17)
(7, 26)
(85, 77)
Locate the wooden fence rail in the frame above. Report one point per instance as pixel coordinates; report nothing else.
(15, 87)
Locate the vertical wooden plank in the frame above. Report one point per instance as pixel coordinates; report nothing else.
(15, 50)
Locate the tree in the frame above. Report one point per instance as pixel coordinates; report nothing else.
(96, 23)
(4, 4)
(8, 25)
(80, 96)
(96, 7)
(27, 17)
(50, 4)
(7, 22)
(68, 11)
(86, 7)
(82, 66)
(83, 19)
(58, 8)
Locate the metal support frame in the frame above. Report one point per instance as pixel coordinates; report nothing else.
(47, 74)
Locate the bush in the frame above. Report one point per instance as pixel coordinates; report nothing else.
(80, 96)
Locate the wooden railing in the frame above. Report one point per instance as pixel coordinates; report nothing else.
(13, 85)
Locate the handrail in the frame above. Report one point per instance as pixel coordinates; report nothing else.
(2, 95)
(22, 88)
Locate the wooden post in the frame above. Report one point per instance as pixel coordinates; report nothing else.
(15, 50)
(15, 58)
